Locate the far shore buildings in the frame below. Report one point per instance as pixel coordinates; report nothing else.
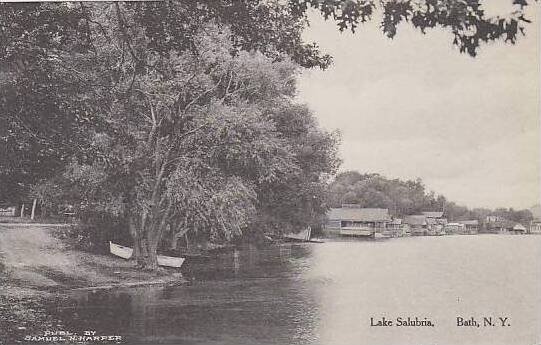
(353, 220)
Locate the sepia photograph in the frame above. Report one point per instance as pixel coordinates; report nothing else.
(270, 172)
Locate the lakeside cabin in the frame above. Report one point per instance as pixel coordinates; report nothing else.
(351, 220)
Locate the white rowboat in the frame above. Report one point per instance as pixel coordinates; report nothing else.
(303, 236)
(127, 252)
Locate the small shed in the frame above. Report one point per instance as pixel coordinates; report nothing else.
(519, 229)
(8, 211)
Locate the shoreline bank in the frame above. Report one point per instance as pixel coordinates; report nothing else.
(37, 268)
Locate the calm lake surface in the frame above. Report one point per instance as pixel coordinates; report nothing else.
(327, 293)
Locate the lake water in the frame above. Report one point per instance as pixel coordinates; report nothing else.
(327, 293)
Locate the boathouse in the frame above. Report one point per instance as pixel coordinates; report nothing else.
(453, 228)
(470, 226)
(395, 228)
(503, 226)
(418, 224)
(535, 226)
(519, 229)
(350, 220)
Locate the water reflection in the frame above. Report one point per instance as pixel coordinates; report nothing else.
(243, 297)
(326, 293)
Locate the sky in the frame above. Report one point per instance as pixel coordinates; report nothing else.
(415, 107)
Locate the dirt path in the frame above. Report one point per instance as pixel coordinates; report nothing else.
(32, 259)
(28, 252)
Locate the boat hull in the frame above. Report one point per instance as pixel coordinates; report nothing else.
(357, 232)
(120, 251)
(170, 261)
(127, 252)
(303, 236)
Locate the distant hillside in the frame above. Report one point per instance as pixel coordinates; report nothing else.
(408, 197)
(374, 190)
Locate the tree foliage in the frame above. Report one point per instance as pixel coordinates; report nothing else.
(373, 190)
(299, 198)
(41, 128)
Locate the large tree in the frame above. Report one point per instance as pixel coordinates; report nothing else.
(183, 139)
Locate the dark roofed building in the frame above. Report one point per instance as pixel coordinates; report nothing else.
(501, 226)
(432, 214)
(359, 214)
(415, 220)
(356, 221)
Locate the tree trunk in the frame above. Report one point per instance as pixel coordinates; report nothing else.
(33, 214)
(152, 242)
(146, 238)
(136, 232)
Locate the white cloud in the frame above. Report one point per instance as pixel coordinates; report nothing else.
(414, 106)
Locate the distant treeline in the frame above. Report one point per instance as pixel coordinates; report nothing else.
(407, 197)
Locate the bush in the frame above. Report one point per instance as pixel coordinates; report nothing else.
(94, 231)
